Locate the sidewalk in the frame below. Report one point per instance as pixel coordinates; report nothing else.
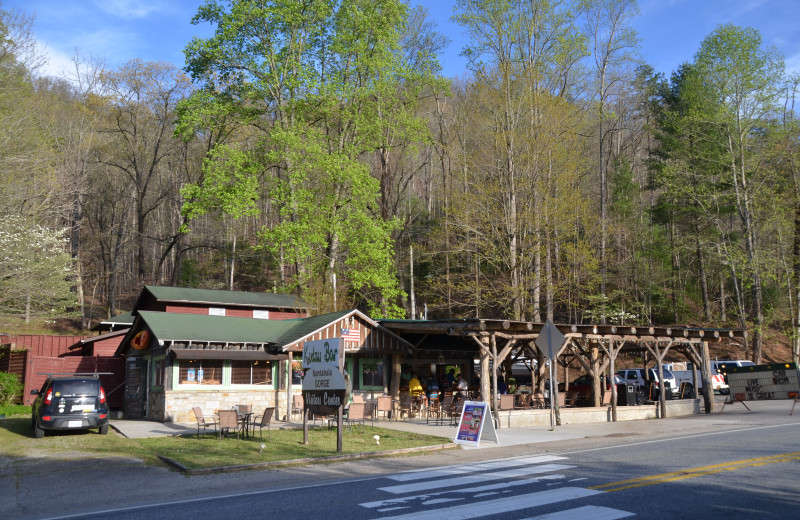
(733, 417)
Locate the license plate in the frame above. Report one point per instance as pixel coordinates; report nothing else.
(82, 408)
(74, 424)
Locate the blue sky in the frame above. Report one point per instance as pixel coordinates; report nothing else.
(670, 31)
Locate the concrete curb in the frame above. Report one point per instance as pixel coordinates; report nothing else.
(294, 462)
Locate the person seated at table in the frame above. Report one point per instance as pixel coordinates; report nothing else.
(433, 386)
(414, 386)
(512, 385)
(462, 386)
(502, 388)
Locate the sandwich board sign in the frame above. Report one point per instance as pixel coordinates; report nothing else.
(324, 387)
(475, 424)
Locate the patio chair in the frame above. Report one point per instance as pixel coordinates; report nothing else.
(358, 398)
(355, 415)
(524, 401)
(507, 402)
(370, 410)
(455, 412)
(204, 421)
(434, 407)
(264, 420)
(228, 423)
(538, 400)
(298, 407)
(406, 406)
(446, 407)
(384, 405)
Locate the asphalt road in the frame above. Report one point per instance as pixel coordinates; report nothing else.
(737, 465)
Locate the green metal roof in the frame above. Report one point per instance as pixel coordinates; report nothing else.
(214, 296)
(168, 326)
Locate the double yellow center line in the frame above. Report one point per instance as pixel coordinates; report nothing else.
(696, 472)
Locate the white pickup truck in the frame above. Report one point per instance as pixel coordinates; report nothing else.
(683, 374)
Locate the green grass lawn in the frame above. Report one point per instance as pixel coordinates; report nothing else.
(16, 441)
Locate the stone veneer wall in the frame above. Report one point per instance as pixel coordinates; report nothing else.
(178, 404)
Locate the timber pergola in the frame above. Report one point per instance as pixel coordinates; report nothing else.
(595, 347)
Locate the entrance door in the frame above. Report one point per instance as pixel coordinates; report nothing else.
(135, 380)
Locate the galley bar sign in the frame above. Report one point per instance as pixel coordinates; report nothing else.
(324, 386)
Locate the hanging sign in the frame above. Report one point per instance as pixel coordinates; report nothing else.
(476, 423)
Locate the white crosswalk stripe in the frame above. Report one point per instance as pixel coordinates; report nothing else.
(582, 513)
(460, 469)
(477, 490)
(474, 478)
(431, 494)
(500, 505)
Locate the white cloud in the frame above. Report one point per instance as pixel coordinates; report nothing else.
(58, 63)
(130, 9)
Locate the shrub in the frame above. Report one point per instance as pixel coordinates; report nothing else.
(10, 389)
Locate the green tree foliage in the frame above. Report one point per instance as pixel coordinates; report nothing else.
(10, 389)
(316, 82)
(36, 274)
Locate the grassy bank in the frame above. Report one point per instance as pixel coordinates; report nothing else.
(16, 441)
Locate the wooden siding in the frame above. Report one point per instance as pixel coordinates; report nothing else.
(281, 315)
(373, 341)
(238, 312)
(44, 345)
(39, 366)
(185, 309)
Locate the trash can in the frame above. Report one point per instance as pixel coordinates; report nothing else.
(626, 394)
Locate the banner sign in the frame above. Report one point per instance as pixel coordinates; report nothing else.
(323, 352)
(764, 382)
(475, 416)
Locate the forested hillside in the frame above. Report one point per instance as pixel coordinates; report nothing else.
(314, 148)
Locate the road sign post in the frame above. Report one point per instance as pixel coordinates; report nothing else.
(549, 341)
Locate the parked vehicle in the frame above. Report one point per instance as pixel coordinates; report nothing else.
(636, 376)
(69, 403)
(684, 377)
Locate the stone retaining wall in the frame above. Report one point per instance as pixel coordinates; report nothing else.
(541, 417)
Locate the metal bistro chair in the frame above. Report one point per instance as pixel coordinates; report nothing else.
(228, 422)
(384, 405)
(370, 410)
(264, 420)
(204, 421)
(434, 407)
(406, 406)
(298, 407)
(355, 415)
(445, 407)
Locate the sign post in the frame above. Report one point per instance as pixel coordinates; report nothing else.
(549, 341)
(324, 387)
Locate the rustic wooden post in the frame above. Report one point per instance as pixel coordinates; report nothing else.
(708, 392)
(289, 390)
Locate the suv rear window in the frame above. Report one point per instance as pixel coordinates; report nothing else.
(74, 388)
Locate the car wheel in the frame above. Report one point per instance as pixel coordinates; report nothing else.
(104, 429)
(37, 432)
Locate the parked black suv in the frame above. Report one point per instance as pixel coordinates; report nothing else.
(69, 403)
